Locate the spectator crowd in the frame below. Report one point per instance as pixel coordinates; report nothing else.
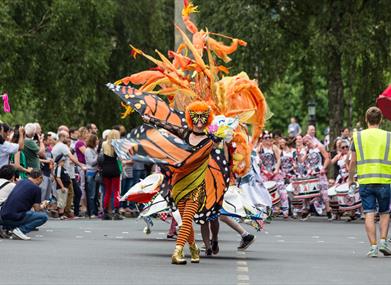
(75, 173)
(68, 174)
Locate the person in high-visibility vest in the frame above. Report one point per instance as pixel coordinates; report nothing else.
(371, 153)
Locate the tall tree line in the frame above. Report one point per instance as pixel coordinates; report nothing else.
(56, 55)
(334, 52)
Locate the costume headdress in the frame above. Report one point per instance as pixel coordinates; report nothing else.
(199, 111)
(191, 73)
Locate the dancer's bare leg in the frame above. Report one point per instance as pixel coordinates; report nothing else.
(205, 233)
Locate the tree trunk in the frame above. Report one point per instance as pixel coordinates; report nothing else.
(334, 76)
(335, 90)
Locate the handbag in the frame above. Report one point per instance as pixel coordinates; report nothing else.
(99, 178)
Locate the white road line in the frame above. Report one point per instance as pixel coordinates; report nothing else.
(241, 263)
(49, 231)
(315, 237)
(280, 240)
(125, 232)
(78, 236)
(87, 231)
(243, 278)
(278, 236)
(38, 236)
(351, 238)
(119, 237)
(242, 269)
(320, 241)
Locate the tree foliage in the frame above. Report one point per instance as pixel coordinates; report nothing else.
(57, 55)
(336, 53)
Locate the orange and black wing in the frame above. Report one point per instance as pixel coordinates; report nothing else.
(217, 181)
(148, 104)
(158, 146)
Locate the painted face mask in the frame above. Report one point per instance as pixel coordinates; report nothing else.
(199, 117)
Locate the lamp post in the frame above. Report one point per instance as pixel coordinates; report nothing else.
(311, 112)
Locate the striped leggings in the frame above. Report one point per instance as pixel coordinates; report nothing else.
(187, 208)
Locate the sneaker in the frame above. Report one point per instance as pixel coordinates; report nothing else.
(17, 234)
(172, 236)
(246, 242)
(4, 233)
(117, 217)
(384, 248)
(329, 216)
(305, 216)
(373, 251)
(215, 247)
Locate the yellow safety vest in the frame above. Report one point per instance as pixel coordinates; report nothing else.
(373, 156)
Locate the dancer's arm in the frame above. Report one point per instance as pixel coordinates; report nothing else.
(176, 130)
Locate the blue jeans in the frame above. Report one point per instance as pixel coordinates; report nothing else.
(91, 193)
(126, 183)
(372, 193)
(31, 221)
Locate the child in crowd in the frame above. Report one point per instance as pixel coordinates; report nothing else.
(63, 181)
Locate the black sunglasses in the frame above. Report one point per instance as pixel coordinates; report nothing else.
(345, 146)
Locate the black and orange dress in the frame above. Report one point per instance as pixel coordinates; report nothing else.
(198, 173)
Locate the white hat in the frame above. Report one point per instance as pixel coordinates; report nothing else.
(105, 133)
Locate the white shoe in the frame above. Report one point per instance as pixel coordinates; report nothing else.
(384, 247)
(373, 251)
(17, 234)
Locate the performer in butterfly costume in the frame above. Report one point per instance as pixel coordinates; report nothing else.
(196, 170)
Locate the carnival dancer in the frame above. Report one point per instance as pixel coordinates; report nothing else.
(341, 160)
(270, 161)
(317, 161)
(288, 160)
(183, 151)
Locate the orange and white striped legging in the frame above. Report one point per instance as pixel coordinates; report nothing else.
(187, 208)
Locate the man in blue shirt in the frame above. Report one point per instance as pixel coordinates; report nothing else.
(16, 213)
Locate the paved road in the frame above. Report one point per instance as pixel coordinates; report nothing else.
(112, 252)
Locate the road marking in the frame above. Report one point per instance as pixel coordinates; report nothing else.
(87, 231)
(49, 231)
(125, 232)
(38, 236)
(243, 278)
(280, 240)
(241, 263)
(320, 241)
(278, 236)
(315, 237)
(79, 236)
(242, 269)
(162, 234)
(351, 238)
(119, 237)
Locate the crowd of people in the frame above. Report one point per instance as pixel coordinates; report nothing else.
(75, 172)
(83, 177)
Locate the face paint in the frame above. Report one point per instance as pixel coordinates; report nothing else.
(199, 117)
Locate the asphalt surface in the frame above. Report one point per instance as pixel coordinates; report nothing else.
(118, 252)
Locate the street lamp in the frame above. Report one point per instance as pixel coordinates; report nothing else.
(311, 112)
